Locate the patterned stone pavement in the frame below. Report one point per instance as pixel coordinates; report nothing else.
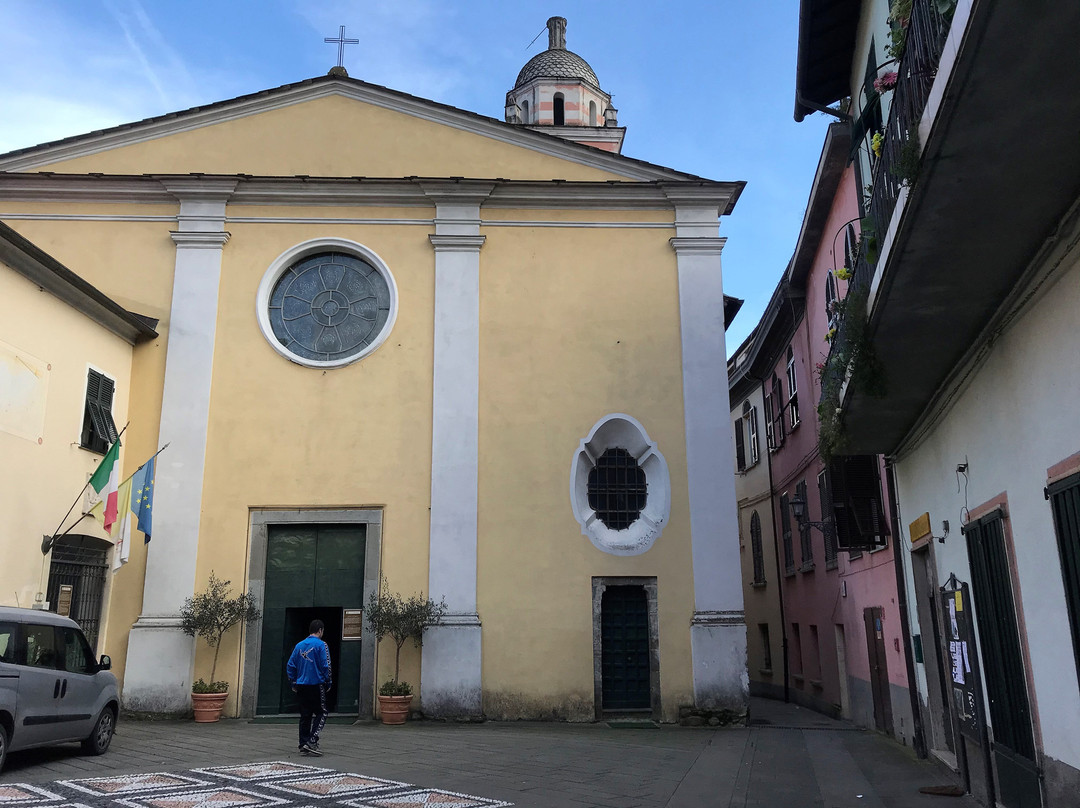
(798, 759)
(249, 785)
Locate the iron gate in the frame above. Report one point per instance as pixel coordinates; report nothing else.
(84, 569)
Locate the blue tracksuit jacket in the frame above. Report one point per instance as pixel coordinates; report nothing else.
(309, 663)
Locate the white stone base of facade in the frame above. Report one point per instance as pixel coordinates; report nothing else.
(718, 646)
(450, 668)
(158, 673)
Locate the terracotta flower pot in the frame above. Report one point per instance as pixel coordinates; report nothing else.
(394, 709)
(208, 706)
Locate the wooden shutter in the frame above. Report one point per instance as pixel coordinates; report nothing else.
(770, 440)
(785, 526)
(740, 447)
(99, 430)
(857, 509)
(778, 412)
(1064, 499)
(806, 549)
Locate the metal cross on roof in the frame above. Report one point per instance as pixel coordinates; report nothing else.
(341, 42)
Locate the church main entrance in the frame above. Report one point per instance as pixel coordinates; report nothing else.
(312, 571)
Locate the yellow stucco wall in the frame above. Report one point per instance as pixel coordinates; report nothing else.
(576, 323)
(40, 479)
(332, 136)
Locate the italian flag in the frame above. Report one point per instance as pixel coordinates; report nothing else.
(106, 482)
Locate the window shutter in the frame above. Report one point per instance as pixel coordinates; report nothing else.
(99, 429)
(740, 448)
(785, 526)
(825, 499)
(778, 412)
(1064, 499)
(756, 549)
(770, 439)
(857, 508)
(805, 546)
(755, 452)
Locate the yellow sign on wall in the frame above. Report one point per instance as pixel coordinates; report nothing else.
(920, 527)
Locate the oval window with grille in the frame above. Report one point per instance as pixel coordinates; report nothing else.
(620, 491)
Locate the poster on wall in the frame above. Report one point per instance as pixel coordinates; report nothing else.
(962, 662)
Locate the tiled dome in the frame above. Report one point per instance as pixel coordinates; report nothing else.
(557, 64)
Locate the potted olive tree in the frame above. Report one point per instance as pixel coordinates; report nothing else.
(402, 619)
(210, 615)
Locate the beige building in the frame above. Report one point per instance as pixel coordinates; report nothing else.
(65, 374)
(404, 340)
(757, 533)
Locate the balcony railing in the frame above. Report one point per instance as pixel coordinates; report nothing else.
(926, 32)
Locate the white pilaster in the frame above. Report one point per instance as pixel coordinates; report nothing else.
(451, 661)
(718, 629)
(160, 659)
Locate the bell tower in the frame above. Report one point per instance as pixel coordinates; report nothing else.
(558, 93)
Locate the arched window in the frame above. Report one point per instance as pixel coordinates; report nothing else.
(592, 113)
(755, 548)
(850, 246)
(560, 109)
(524, 111)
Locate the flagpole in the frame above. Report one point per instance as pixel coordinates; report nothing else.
(151, 457)
(45, 546)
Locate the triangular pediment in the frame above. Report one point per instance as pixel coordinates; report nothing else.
(332, 127)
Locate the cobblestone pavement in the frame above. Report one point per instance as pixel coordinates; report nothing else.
(798, 758)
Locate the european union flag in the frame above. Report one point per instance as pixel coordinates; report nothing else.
(142, 496)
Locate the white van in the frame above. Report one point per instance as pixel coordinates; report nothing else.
(52, 690)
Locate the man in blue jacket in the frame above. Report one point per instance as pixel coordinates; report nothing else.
(309, 675)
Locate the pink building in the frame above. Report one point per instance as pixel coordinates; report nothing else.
(842, 633)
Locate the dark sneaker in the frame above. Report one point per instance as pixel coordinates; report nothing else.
(304, 751)
(313, 749)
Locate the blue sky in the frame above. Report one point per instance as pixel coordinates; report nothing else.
(703, 87)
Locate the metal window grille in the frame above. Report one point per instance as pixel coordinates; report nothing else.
(617, 489)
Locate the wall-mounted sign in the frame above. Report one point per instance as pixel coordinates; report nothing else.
(920, 527)
(352, 624)
(63, 602)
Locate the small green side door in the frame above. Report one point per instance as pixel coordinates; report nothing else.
(312, 571)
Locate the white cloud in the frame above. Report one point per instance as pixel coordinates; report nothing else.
(68, 70)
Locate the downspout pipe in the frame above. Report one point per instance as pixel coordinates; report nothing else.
(918, 740)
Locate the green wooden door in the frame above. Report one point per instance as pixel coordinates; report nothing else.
(624, 648)
(312, 571)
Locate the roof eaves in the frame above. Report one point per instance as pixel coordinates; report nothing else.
(831, 165)
(33, 263)
(611, 159)
(827, 34)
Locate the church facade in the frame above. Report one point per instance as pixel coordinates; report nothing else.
(400, 341)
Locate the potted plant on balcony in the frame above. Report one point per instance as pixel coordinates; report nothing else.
(402, 619)
(210, 615)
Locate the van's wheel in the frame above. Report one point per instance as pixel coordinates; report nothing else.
(101, 737)
(3, 746)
